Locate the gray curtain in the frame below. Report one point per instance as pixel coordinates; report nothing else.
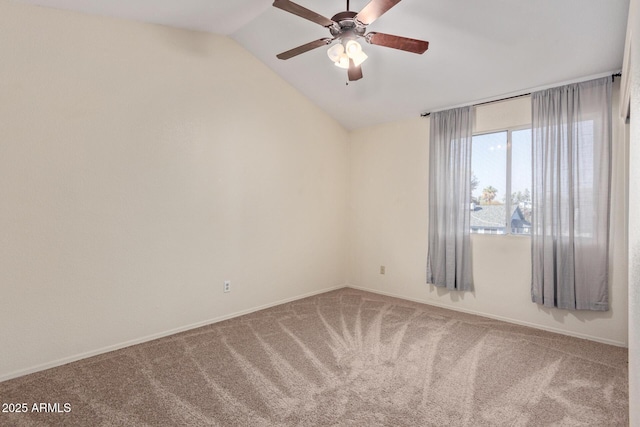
(449, 257)
(571, 180)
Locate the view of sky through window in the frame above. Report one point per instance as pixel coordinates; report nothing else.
(489, 167)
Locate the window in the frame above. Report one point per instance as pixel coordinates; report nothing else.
(501, 182)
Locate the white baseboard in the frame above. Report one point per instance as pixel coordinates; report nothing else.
(85, 355)
(493, 316)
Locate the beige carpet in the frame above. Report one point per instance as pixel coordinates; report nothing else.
(347, 358)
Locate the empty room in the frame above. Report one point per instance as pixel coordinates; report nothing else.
(319, 213)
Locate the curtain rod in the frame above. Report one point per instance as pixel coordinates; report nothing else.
(613, 78)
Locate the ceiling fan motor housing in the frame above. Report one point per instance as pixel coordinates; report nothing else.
(346, 26)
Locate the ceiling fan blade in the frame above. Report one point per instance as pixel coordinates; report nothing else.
(354, 73)
(304, 48)
(397, 42)
(302, 12)
(374, 10)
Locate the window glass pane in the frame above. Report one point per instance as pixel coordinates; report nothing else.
(585, 175)
(521, 181)
(489, 183)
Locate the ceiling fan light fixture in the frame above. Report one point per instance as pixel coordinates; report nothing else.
(335, 52)
(359, 58)
(353, 49)
(343, 61)
(340, 54)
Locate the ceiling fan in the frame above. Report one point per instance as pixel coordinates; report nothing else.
(346, 27)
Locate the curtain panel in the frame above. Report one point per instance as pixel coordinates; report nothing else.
(449, 256)
(571, 156)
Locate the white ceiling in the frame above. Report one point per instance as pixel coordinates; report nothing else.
(479, 50)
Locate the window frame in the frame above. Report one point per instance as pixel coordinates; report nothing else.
(509, 130)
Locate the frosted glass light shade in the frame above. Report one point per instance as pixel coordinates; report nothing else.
(359, 58)
(340, 54)
(335, 51)
(353, 48)
(343, 61)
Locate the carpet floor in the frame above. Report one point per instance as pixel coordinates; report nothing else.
(343, 358)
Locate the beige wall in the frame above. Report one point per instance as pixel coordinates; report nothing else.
(140, 167)
(389, 222)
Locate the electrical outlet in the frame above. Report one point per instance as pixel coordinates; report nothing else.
(227, 286)
(383, 269)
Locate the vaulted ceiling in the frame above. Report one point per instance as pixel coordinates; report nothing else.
(479, 50)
